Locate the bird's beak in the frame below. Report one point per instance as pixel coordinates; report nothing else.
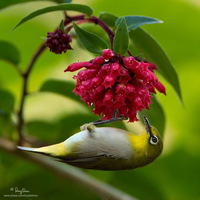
(147, 126)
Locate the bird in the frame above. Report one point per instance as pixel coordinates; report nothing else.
(106, 148)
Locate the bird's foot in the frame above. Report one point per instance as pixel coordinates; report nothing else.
(90, 127)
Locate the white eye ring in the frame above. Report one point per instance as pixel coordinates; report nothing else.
(154, 140)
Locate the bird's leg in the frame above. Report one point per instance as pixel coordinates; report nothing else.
(91, 126)
(114, 114)
(113, 119)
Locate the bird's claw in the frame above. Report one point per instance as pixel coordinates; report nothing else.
(90, 127)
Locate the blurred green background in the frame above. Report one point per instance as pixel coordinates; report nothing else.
(52, 118)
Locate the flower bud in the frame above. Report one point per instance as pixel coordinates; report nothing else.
(107, 54)
(58, 42)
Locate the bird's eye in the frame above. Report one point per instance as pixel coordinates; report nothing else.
(153, 140)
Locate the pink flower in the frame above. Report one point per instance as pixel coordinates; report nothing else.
(109, 81)
(113, 82)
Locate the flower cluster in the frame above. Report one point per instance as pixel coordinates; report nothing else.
(113, 82)
(58, 41)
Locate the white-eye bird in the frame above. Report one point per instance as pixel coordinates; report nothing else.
(106, 148)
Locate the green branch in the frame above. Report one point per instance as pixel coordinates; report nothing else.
(68, 172)
(25, 76)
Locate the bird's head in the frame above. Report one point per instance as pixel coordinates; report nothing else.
(155, 144)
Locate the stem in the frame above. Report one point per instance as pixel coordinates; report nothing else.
(91, 19)
(19, 71)
(110, 33)
(69, 19)
(68, 172)
(34, 58)
(79, 22)
(129, 53)
(77, 17)
(25, 76)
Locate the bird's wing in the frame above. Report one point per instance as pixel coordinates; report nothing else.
(103, 161)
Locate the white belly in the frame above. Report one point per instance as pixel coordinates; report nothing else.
(106, 140)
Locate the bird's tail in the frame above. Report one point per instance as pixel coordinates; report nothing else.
(56, 150)
(29, 149)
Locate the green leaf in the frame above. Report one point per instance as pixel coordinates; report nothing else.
(120, 45)
(108, 18)
(63, 88)
(59, 1)
(96, 30)
(68, 1)
(90, 41)
(154, 53)
(42, 130)
(74, 121)
(73, 7)
(135, 21)
(61, 26)
(4, 4)
(9, 52)
(4, 121)
(155, 115)
(7, 101)
(135, 181)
